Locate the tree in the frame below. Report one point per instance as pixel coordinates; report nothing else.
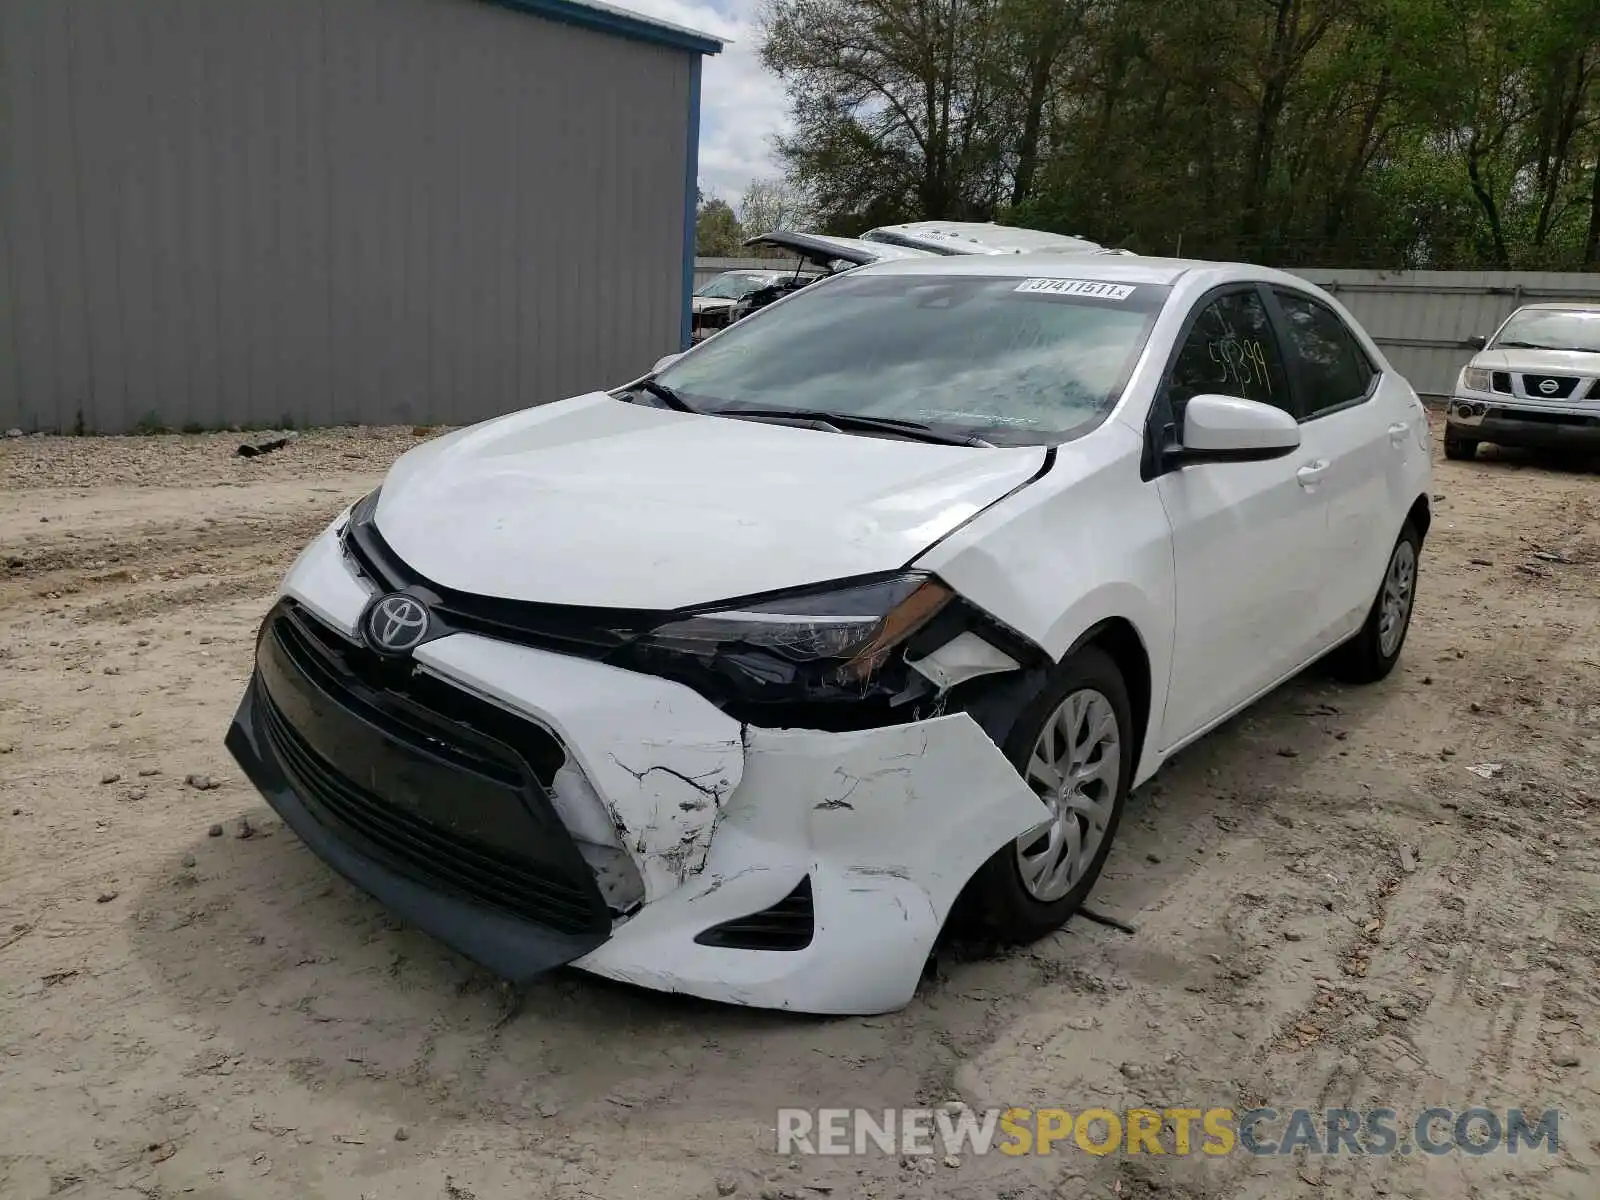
(717, 233)
(1392, 133)
(770, 204)
(894, 103)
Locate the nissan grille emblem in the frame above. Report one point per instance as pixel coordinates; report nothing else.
(1548, 387)
(396, 623)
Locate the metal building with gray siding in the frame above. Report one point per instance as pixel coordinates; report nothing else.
(251, 212)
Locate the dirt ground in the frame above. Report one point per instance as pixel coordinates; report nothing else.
(1331, 907)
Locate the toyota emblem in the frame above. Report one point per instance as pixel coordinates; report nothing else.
(1549, 387)
(396, 623)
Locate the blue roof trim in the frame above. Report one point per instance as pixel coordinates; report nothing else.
(691, 214)
(605, 19)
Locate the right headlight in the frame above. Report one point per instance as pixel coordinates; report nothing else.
(810, 646)
(1475, 379)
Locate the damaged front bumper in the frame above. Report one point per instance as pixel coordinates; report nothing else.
(532, 809)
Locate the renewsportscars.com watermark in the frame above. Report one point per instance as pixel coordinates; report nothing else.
(955, 1129)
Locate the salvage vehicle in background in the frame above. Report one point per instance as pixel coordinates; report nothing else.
(829, 255)
(739, 680)
(981, 237)
(712, 304)
(1535, 382)
(823, 254)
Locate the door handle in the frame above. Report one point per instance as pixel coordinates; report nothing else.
(1398, 431)
(1311, 474)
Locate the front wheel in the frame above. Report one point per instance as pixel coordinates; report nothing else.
(1073, 743)
(1373, 652)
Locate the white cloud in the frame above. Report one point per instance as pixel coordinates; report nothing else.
(742, 106)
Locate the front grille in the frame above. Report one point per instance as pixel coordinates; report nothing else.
(422, 712)
(422, 849)
(415, 773)
(790, 924)
(1561, 386)
(1500, 381)
(592, 633)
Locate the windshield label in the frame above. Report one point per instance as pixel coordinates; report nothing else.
(1099, 289)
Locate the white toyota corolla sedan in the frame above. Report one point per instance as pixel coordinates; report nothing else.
(740, 679)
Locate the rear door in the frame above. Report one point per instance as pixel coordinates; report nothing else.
(1362, 438)
(1249, 539)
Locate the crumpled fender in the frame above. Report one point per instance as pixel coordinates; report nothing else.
(890, 823)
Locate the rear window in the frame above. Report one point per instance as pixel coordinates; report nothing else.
(1011, 360)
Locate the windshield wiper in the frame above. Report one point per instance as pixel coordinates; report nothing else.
(915, 430)
(666, 395)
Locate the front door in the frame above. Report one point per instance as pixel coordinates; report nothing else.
(1248, 538)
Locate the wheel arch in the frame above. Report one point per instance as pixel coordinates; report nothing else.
(1420, 515)
(1120, 639)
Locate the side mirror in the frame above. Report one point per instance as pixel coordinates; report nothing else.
(1233, 429)
(665, 361)
(1476, 342)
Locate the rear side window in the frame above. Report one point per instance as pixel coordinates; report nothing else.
(1333, 371)
(1231, 351)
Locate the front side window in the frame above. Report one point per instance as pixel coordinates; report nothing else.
(1332, 368)
(1009, 360)
(1551, 329)
(1230, 351)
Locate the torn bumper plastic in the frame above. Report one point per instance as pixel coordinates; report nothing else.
(790, 869)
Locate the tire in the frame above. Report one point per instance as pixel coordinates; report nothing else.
(1364, 659)
(999, 899)
(1457, 447)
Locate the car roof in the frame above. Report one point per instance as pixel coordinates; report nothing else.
(1090, 265)
(1099, 265)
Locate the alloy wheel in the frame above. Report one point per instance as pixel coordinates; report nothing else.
(1398, 585)
(1075, 768)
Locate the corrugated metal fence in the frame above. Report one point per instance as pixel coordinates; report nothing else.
(1421, 319)
(328, 211)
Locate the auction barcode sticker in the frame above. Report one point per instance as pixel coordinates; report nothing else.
(1096, 288)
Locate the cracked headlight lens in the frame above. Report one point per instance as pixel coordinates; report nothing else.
(853, 627)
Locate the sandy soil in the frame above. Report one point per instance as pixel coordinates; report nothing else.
(1331, 908)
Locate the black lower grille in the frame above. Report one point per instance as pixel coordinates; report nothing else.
(1534, 417)
(471, 871)
(1549, 387)
(438, 799)
(790, 924)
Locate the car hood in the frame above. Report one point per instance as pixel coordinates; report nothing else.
(1568, 362)
(704, 304)
(596, 501)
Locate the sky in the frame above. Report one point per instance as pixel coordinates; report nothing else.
(742, 107)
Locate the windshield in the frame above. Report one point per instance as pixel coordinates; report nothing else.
(731, 287)
(1010, 360)
(1551, 329)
